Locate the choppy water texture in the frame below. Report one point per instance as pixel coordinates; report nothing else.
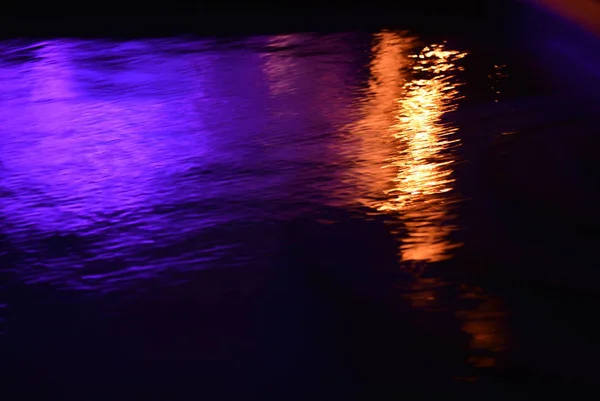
(179, 190)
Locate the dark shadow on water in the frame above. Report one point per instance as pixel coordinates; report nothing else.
(325, 318)
(324, 321)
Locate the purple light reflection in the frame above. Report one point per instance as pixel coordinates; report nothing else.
(92, 156)
(127, 159)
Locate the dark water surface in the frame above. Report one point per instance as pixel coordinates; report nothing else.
(344, 216)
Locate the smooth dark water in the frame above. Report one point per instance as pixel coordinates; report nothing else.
(341, 216)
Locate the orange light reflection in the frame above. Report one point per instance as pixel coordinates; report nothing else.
(424, 160)
(405, 168)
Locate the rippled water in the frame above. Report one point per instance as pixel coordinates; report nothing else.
(126, 148)
(130, 166)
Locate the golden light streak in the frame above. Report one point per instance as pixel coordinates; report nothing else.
(424, 161)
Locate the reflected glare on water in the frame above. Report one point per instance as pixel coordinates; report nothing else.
(406, 168)
(142, 161)
(407, 157)
(425, 160)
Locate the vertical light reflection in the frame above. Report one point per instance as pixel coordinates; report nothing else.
(405, 165)
(408, 95)
(425, 161)
(371, 133)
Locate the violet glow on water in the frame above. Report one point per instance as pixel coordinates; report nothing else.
(137, 162)
(130, 145)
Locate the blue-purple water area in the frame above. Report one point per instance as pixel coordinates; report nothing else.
(342, 216)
